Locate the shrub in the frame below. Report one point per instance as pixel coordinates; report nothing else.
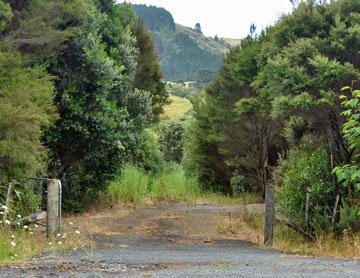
(239, 184)
(307, 172)
(171, 139)
(148, 155)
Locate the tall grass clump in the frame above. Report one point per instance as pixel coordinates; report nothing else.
(130, 187)
(173, 185)
(135, 185)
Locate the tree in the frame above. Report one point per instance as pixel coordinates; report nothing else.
(40, 28)
(172, 139)
(242, 145)
(198, 28)
(148, 75)
(252, 29)
(5, 15)
(349, 174)
(25, 110)
(275, 94)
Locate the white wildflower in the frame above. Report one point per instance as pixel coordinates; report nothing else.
(12, 257)
(77, 232)
(15, 255)
(59, 242)
(25, 227)
(58, 235)
(18, 223)
(18, 216)
(1, 212)
(71, 223)
(13, 244)
(50, 243)
(36, 226)
(7, 222)
(31, 233)
(4, 207)
(12, 236)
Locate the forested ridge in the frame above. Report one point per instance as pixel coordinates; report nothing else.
(184, 53)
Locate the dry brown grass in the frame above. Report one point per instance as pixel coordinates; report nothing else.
(249, 227)
(346, 246)
(92, 222)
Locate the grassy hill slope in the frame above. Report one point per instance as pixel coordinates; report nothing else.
(177, 108)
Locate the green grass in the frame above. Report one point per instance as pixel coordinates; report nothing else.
(177, 108)
(218, 198)
(130, 187)
(173, 185)
(135, 186)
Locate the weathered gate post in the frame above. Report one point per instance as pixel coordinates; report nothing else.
(269, 215)
(53, 208)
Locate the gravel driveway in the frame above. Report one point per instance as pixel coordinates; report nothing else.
(160, 249)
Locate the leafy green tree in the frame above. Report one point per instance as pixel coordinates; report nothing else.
(349, 174)
(41, 28)
(5, 15)
(26, 108)
(148, 74)
(234, 133)
(90, 139)
(102, 117)
(276, 93)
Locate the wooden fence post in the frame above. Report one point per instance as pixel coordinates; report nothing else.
(8, 200)
(53, 208)
(333, 218)
(269, 215)
(307, 205)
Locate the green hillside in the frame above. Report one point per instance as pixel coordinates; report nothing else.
(185, 54)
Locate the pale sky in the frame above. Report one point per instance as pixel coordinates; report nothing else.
(226, 18)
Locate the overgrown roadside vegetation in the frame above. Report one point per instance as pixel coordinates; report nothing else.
(276, 115)
(135, 186)
(249, 227)
(23, 243)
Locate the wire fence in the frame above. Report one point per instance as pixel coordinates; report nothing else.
(39, 187)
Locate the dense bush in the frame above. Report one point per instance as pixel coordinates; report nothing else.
(93, 62)
(307, 171)
(148, 155)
